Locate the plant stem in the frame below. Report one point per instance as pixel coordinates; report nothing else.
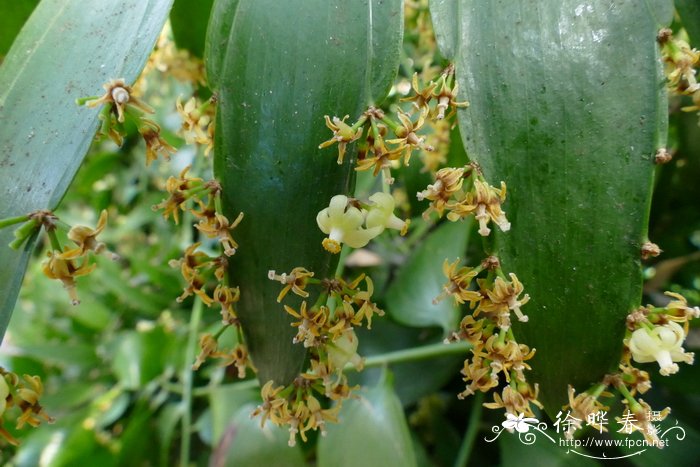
(419, 353)
(204, 391)
(187, 378)
(13, 220)
(465, 449)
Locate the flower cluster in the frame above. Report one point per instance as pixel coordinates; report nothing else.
(656, 335)
(327, 330)
(378, 153)
(449, 192)
(487, 328)
(197, 122)
(681, 61)
(24, 394)
(202, 199)
(443, 92)
(63, 263)
(347, 220)
(120, 104)
(176, 62)
(653, 335)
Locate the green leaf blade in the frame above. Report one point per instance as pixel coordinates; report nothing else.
(277, 81)
(373, 432)
(568, 107)
(14, 14)
(410, 297)
(43, 133)
(689, 11)
(189, 23)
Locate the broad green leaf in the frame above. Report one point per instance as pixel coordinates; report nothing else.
(14, 14)
(372, 432)
(567, 107)
(445, 15)
(189, 22)
(386, 336)
(515, 447)
(221, 19)
(277, 80)
(225, 402)
(66, 443)
(689, 11)
(682, 450)
(43, 133)
(138, 357)
(246, 444)
(409, 299)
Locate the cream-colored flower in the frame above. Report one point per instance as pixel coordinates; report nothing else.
(662, 344)
(343, 350)
(342, 222)
(382, 214)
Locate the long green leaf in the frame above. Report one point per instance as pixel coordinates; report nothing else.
(409, 298)
(189, 20)
(568, 107)
(66, 50)
(373, 432)
(285, 66)
(689, 11)
(13, 16)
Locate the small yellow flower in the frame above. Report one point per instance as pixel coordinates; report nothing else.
(295, 281)
(240, 358)
(119, 95)
(407, 139)
(381, 160)
(447, 97)
(155, 144)
(421, 100)
(297, 419)
(86, 239)
(635, 379)
(641, 418)
(511, 400)
(181, 189)
(319, 416)
(342, 222)
(485, 201)
(504, 297)
(479, 376)
(66, 270)
(448, 182)
(310, 325)
(195, 286)
(342, 134)
(584, 405)
(367, 309)
(208, 346)
(226, 297)
(459, 282)
(679, 311)
(28, 395)
(273, 407)
(194, 122)
(220, 227)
